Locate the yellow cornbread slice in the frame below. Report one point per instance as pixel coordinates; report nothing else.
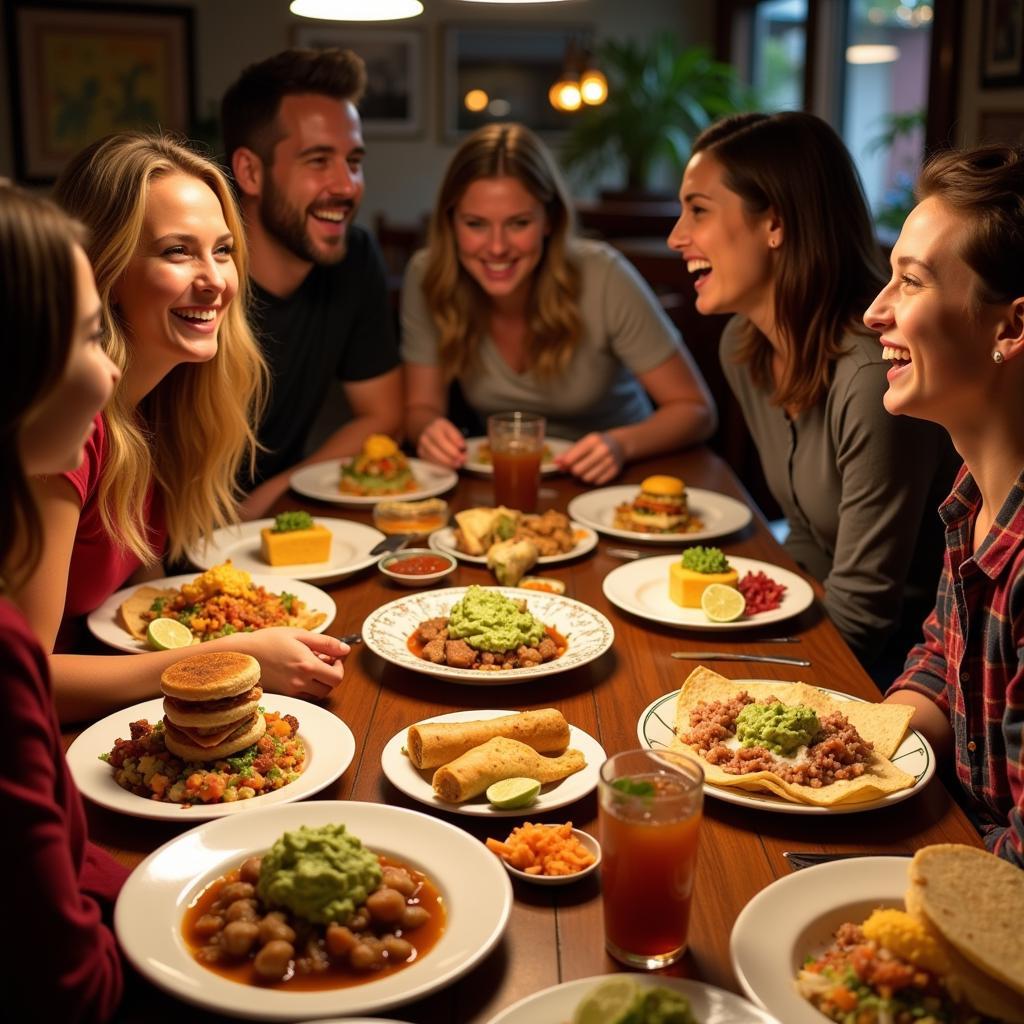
(294, 546)
(685, 586)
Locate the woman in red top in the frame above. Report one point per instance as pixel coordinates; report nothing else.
(62, 961)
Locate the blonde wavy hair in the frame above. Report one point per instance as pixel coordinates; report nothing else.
(458, 305)
(193, 431)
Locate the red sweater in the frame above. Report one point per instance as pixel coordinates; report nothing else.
(65, 964)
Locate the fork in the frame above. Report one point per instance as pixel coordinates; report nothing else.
(798, 859)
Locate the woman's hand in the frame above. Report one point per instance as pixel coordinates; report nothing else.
(595, 459)
(293, 661)
(442, 443)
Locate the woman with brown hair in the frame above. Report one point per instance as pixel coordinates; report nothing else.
(951, 328)
(774, 228)
(63, 963)
(524, 315)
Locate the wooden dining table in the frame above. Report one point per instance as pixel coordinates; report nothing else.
(556, 934)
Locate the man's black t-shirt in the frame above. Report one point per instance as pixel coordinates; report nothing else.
(338, 323)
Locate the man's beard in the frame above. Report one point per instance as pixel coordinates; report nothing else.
(288, 225)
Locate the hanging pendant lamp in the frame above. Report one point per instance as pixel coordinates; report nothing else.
(356, 10)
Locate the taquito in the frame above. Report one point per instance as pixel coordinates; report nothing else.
(501, 758)
(435, 743)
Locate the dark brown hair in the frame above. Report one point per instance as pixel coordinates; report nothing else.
(456, 302)
(38, 303)
(829, 267)
(986, 186)
(248, 111)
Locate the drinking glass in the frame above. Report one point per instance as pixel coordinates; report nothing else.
(517, 444)
(650, 812)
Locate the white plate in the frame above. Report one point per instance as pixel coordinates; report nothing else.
(557, 445)
(710, 1005)
(350, 550)
(720, 514)
(474, 886)
(103, 622)
(641, 587)
(444, 540)
(386, 632)
(330, 748)
(795, 917)
(415, 783)
(914, 756)
(320, 481)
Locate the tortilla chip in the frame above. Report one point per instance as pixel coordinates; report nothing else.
(882, 725)
(130, 614)
(308, 620)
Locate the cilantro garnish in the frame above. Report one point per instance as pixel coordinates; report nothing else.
(634, 787)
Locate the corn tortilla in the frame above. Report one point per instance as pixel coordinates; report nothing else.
(882, 725)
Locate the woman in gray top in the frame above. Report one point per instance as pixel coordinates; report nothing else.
(774, 227)
(525, 316)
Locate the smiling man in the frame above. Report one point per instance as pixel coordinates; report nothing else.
(294, 143)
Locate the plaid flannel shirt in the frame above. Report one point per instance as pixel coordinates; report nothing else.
(971, 660)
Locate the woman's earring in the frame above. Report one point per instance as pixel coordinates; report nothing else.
(997, 356)
(772, 243)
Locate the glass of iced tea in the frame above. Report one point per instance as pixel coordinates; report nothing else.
(517, 445)
(650, 811)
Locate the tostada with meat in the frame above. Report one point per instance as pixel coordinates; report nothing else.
(380, 468)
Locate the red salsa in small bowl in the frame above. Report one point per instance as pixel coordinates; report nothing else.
(416, 567)
(419, 565)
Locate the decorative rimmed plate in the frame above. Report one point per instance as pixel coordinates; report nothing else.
(800, 912)
(710, 1005)
(586, 540)
(416, 784)
(555, 445)
(474, 886)
(914, 756)
(386, 632)
(329, 743)
(350, 550)
(104, 625)
(641, 587)
(720, 514)
(320, 481)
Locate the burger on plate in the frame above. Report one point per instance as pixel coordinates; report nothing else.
(660, 507)
(211, 705)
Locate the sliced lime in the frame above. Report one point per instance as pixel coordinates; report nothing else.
(610, 1003)
(722, 603)
(511, 793)
(168, 635)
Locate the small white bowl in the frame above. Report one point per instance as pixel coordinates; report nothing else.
(418, 580)
(586, 840)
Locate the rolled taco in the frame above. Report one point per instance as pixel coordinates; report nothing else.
(432, 744)
(500, 758)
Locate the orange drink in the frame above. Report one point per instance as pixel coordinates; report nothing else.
(650, 813)
(517, 446)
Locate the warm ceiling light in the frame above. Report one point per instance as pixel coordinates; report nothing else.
(872, 53)
(593, 87)
(356, 10)
(565, 95)
(512, 1)
(476, 100)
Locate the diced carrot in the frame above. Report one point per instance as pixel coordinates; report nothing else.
(843, 998)
(543, 850)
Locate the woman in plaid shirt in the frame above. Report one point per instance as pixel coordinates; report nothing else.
(951, 321)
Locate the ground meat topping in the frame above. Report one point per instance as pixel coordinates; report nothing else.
(836, 753)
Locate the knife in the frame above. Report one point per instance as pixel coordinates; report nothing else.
(395, 542)
(729, 656)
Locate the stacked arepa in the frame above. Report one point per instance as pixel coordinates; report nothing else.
(211, 705)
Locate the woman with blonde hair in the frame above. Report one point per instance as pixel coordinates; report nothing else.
(56, 379)
(524, 315)
(168, 250)
(775, 229)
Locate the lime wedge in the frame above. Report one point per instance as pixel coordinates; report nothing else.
(722, 603)
(510, 793)
(610, 1003)
(168, 635)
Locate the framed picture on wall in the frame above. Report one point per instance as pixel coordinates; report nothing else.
(393, 104)
(81, 71)
(1002, 43)
(504, 73)
(1001, 126)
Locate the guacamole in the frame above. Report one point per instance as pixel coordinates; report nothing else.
(661, 1006)
(319, 874)
(487, 621)
(781, 728)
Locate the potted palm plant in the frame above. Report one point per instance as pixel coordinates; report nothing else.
(660, 97)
